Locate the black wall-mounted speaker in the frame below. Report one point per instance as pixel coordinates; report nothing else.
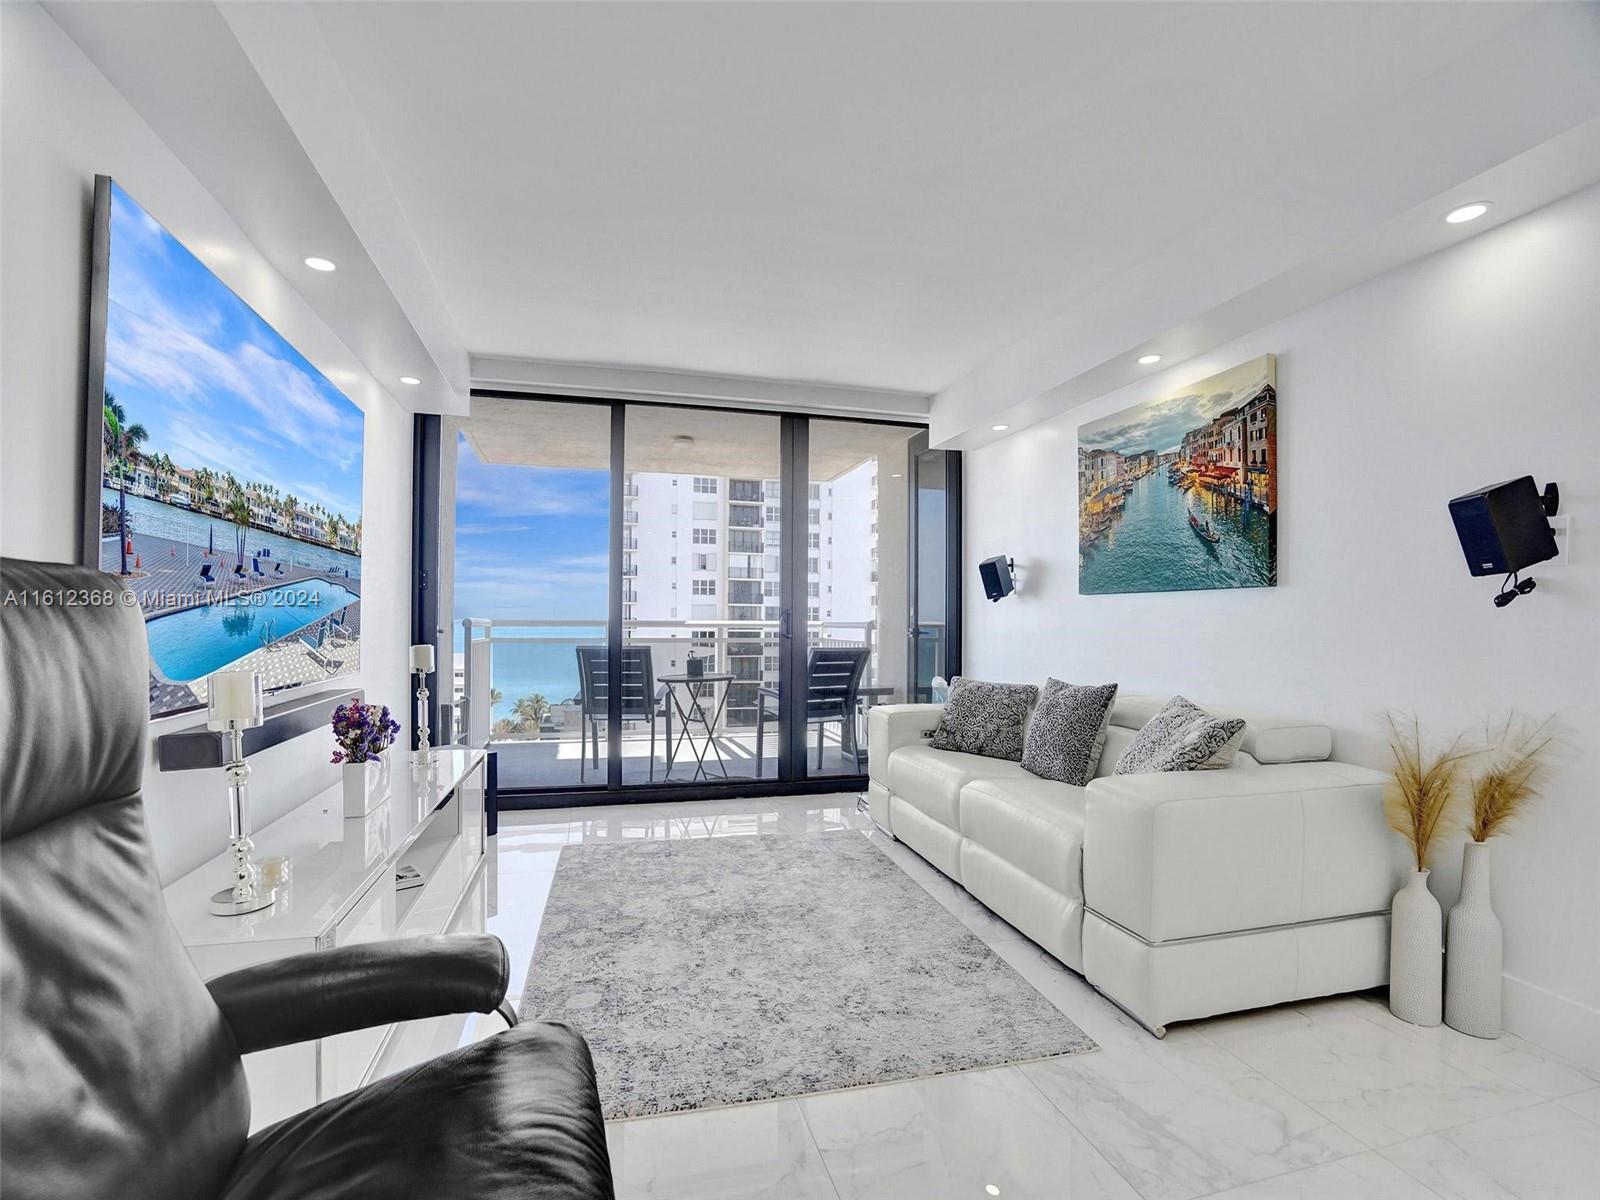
(1504, 528)
(996, 575)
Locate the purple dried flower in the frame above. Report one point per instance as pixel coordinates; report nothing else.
(362, 731)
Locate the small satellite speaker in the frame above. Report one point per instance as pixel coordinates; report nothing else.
(1503, 528)
(996, 574)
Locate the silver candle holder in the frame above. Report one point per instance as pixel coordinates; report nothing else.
(236, 705)
(422, 667)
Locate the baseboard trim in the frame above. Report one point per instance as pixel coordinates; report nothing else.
(1559, 1024)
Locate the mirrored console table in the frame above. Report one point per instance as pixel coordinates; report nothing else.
(340, 888)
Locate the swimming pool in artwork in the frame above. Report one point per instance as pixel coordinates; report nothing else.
(193, 643)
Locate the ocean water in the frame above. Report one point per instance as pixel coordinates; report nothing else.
(1151, 547)
(550, 669)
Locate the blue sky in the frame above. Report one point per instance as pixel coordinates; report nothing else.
(213, 383)
(530, 541)
(1160, 424)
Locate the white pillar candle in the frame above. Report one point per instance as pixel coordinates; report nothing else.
(422, 658)
(235, 699)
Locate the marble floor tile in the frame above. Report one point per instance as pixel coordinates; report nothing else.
(1546, 1152)
(1362, 1177)
(1508, 1056)
(1187, 1119)
(1585, 1104)
(1276, 1104)
(1380, 1084)
(748, 1152)
(956, 1136)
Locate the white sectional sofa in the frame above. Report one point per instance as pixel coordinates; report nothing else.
(1176, 895)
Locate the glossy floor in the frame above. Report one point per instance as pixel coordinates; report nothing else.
(1333, 1098)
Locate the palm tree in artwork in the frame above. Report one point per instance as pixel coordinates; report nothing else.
(290, 506)
(164, 473)
(335, 523)
(237, 510)
(121, 440)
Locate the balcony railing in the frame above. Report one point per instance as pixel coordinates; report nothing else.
(518, 678)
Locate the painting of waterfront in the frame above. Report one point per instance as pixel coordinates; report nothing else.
(1181, 493)
(230, 478)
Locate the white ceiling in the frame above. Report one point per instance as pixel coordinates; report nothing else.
(990, 202)
(874, 195)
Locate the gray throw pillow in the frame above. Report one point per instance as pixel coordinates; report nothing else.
(1068, 731)
(1181, 737)
(985, 718)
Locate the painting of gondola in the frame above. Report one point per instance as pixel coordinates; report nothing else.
(1181, 493)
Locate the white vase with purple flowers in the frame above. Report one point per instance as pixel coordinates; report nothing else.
(361, 733)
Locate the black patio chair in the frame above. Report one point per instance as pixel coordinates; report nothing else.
(833, 688)
(642, 699)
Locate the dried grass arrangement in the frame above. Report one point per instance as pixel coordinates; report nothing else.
(1420, 800)
(1516, 758)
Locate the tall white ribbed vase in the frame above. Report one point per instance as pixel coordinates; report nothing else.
(1473, 951)
(1416, 958)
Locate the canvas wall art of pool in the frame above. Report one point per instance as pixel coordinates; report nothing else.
(191, 644)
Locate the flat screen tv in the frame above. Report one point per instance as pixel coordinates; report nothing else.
(223, 471)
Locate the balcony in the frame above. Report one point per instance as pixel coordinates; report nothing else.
(528, 706)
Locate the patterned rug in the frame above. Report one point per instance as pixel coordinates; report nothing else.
(716, 971)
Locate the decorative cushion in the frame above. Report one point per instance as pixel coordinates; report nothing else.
(1181, 737)
(985, 718)
(1068, 731)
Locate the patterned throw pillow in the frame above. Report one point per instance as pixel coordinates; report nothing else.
(985, 718)
(1181, 737)
(1068, 731)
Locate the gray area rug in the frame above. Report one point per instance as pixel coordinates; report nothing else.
(715, 971)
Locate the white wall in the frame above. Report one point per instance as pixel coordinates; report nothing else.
(1475, 365)
(62, 124)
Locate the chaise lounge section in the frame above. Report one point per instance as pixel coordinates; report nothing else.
(1177, 895)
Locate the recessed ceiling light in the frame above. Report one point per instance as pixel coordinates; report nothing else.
(320, 264)
(1467, 212)
(999, 428)
(896, 475)
(1146, 359)
(411, 379)
(991, 1189)
(682, 441)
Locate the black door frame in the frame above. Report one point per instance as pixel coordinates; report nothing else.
(794, 449)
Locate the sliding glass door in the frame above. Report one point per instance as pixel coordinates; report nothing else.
(700, 593)
(532, 587)
(653, 596)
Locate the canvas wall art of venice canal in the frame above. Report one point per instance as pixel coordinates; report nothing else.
(1181, 493)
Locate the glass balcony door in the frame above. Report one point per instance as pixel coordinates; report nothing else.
(701, 554)
(855, 600)
(660, 596)
(531, 590)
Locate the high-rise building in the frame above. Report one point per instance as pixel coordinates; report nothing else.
(706, 549)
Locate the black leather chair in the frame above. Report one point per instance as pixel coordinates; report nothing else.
(642, 699)
(122, 1071)
(833, 692)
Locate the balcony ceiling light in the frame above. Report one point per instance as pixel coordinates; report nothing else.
(1146, 360)
(999, 428)
(682, 442)
(321, 264)
(410, 379)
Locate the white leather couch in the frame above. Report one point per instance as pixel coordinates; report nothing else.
(1176, 895)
